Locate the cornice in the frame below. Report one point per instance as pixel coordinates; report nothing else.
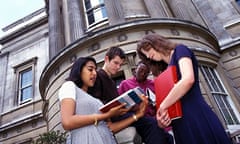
(23, 30)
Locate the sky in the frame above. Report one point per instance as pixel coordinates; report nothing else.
(13, 10)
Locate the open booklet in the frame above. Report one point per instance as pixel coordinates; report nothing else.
(130, 97)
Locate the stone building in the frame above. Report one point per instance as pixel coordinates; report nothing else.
(89, 27)
(23, 56)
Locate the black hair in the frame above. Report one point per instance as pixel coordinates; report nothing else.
(77, 69)
(115, 51)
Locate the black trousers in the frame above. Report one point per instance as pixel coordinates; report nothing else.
(149, 131)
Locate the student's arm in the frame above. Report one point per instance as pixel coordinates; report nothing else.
(72, 121)
(178, 91)
(119, 125)
(67, 97)
(183, 85)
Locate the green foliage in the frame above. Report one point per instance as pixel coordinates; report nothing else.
(51, 137)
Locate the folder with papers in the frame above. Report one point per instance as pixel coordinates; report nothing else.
(163, 83)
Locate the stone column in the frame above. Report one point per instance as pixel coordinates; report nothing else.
(56, 37)
(75, 20)
(155, 8)
(212, 21)
(179, 9)
(114, 11)
(3, 72)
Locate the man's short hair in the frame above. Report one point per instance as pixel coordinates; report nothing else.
(115, 51)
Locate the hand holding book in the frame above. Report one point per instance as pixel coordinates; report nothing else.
(142, 107)
(117, 110)
(130, 98)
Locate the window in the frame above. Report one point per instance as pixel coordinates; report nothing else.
(25, 88)
(95, 11)
(220, 95)
(25, 81)
(238, 2)
(118, 78)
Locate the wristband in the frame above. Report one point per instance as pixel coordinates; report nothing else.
(135, 117)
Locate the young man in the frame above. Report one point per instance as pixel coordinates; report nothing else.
(140, 79)
(105, 89)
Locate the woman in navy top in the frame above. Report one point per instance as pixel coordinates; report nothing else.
(199, 124)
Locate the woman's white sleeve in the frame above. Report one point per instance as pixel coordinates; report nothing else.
(67, 90)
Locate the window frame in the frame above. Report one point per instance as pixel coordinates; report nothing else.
(225, 96)
(18, 70)
(92, 10)
(118, 78)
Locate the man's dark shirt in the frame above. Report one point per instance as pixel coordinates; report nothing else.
(104, 88)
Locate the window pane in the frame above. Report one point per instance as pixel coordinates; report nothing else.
(224, 109)
(26, 78)
(104, 11)
(90, 17)
(25, 86)
(98, 14)
(219, 94)
(95, 10)
(218, 83)
(26, 93)
(87, 4)
(119, 78)
(206, 76)
(95, 3)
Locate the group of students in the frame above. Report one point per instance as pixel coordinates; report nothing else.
(87, 89)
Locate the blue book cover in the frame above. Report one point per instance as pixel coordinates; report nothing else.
(134, 96)
(131, 98)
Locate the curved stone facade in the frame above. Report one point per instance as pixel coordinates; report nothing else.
(125, 36)
(71, 28)
(200, 25)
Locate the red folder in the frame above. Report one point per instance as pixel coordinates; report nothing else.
(163, 83)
